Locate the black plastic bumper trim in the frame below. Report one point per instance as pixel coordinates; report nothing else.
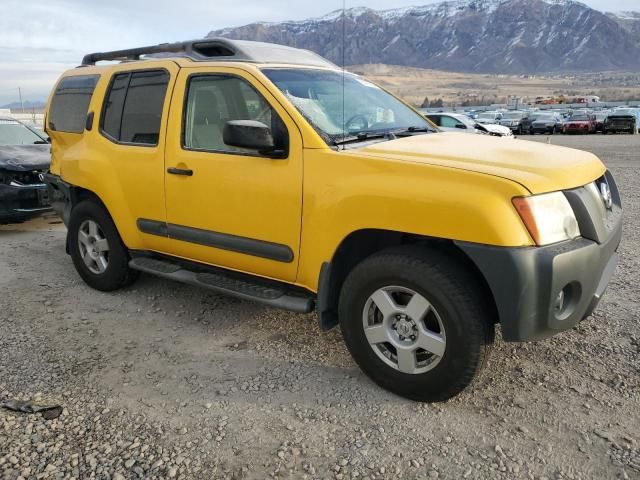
(526, 281)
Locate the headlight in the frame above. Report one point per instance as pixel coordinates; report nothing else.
(548, 217)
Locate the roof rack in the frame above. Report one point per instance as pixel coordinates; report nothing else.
(216, 49)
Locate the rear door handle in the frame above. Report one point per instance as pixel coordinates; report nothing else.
(180, 171)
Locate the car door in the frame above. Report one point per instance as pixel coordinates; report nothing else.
(234, 208)
(127, 145)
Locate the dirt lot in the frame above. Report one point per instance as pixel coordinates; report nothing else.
(414, 84)
(166, 381)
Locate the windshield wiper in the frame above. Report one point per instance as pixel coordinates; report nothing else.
(411, 130)
(363, 136)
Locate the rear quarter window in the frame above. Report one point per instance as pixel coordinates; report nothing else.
(70, 103)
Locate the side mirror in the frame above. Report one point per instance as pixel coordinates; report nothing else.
(461, 126)
(252, 135)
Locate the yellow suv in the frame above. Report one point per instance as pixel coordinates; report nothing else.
(266, 172)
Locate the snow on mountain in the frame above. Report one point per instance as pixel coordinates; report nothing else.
(493, 36)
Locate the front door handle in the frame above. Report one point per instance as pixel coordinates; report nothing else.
(180, 171)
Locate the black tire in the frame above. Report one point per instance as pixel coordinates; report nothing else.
(456, 296)
(117, 274)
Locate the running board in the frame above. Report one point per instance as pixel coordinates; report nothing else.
(234, 284)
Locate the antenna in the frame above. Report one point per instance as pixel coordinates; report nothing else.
(344, 42)
(21, 102)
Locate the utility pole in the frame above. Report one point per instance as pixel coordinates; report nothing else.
(21, 103)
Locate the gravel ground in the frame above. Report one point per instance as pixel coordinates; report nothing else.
(166, 381)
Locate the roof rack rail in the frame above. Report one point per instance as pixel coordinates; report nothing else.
(216, 49)
(204, 49)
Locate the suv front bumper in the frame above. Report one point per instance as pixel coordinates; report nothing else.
(21, 202)
(526, 282)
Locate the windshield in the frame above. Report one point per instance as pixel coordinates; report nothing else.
(491, 116)
(546, 117)
(15, 133)
(363, 109)
(513, 116)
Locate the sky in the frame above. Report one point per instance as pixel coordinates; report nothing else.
(39, 39)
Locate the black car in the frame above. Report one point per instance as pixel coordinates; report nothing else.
(623, 120)
(24, 158)
(546, 123)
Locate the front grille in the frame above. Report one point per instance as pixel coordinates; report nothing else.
(21, 178)
(596, 220)
(621, 123)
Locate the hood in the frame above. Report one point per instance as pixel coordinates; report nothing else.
(537, 166)
(24, 158)
(493, 128)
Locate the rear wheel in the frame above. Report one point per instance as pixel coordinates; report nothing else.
(416, 323)
(96, 249)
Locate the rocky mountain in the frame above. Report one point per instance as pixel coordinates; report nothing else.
(492, 36)
(630, 21)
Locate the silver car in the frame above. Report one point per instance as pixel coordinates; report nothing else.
(455, 122)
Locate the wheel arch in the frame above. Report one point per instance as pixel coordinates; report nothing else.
(362, 244)
(75, 196)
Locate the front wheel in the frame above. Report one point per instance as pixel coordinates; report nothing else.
(417, 323)
(96, 249)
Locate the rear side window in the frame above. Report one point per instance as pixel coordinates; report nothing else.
(132, 112)
(70, 102)
(448, 122)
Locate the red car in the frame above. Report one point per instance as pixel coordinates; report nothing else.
(580, 123)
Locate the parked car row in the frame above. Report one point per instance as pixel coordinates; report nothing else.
(579, 121)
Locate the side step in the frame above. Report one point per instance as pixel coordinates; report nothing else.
(234, 284)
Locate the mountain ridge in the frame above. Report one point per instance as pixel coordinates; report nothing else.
(483, 36)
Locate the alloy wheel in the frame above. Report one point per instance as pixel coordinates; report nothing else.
(404, 329)
(94, 247)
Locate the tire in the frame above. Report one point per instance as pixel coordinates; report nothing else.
(104, 270)
(459, 318)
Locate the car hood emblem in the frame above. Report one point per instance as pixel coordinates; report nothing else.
(605, 193)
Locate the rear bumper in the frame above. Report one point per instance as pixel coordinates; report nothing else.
(576, 129)
(60, 196)
(543, 129)
(19, 203)
(525, 283)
